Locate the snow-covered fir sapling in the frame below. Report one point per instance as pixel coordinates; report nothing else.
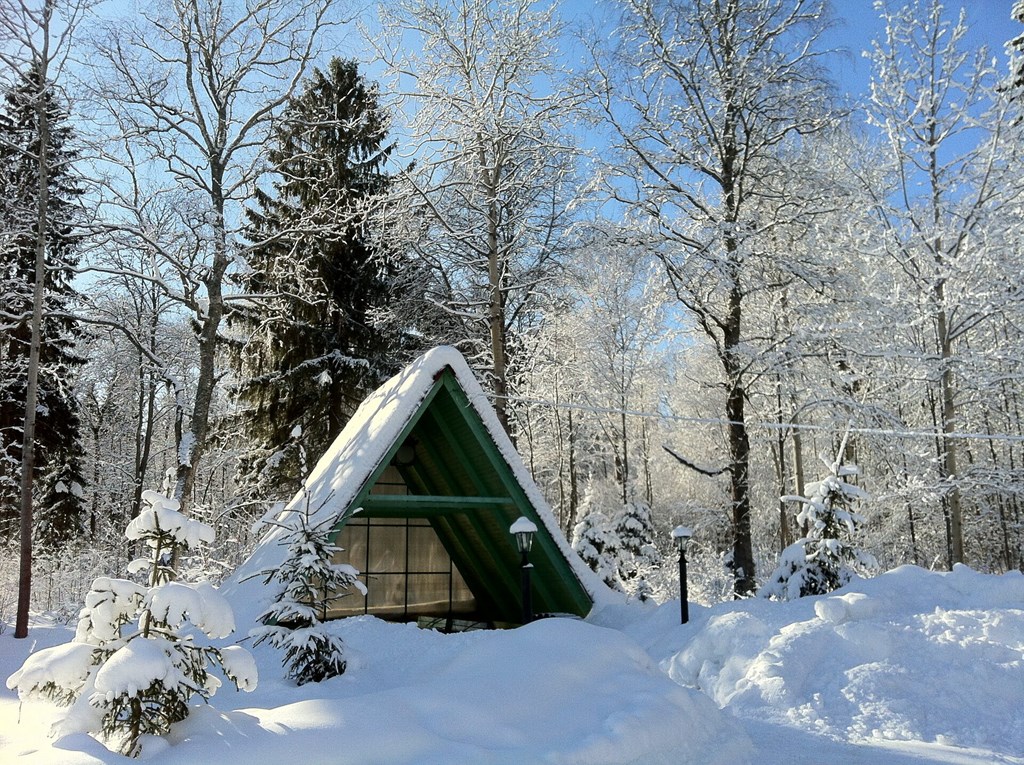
(638, 556)
(822, 561)
(310, 583)
(595, 541)
(132, 669)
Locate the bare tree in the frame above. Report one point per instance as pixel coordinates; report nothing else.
(934, 101)
(621, 322)
(599, 358)
(705, 97)
(485, 199)
(193, 88)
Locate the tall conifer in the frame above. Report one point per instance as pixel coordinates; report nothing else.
(311, 350)
(58, 482)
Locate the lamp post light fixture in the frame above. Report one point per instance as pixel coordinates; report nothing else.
(523, 530)
(681, 536)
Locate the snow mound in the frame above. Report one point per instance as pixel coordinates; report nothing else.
(557, 691)
(843, 608)
(907, 656)
(909, 668)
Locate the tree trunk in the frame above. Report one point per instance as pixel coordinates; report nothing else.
(191, 443)
(574, 486)
(940, 454)
(785, 534)
(32, 389)
(143, 435)
(732, 326)
(949, 449)
(739, 453)
(560, 453)
(625, 447)
(1013, 416)
(496, 317)
(645, 443)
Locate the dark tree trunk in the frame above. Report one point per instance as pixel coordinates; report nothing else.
(32, 391)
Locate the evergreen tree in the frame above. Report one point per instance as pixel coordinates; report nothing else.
(1013, 85)
(311, 350)
(635, 530)
(312, 582)
(59, 520)
(133, 667)
(823, 560)
(57, 423)
(595, 541)
(1016, 50)
(638, 555)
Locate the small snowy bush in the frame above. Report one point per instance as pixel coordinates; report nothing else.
(638, 556)
(823, 560)
(131, 670)
(311, 583)
(595, 541)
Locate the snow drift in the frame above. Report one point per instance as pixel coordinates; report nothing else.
(908, 656)
(909, 668)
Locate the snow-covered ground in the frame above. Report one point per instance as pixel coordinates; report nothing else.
(908, 668)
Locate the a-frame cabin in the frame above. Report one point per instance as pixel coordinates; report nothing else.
(424, 484)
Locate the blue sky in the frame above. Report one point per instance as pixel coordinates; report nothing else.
(989, 21)
(859, 23)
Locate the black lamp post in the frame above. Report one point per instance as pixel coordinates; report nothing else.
(523, 530)
(681, 536)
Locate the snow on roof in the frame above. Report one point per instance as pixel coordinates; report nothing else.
(364, 443)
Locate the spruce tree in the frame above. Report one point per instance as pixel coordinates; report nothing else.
(135, 663)
(57, 424)
(639, 555)
(60, 517)
(825, 558)
(310, 583)
(595, 541)
(310, 349)
(635, 530)
(1014, 83)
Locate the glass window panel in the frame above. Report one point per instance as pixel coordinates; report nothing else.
(385, 593)
(352, 541)
(390, 482)
(428, 593)
(426, 553)
(387, 549)
(351, 602)
(460, 590)
(386, 573)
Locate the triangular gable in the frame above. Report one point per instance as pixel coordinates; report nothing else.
(465, 456)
